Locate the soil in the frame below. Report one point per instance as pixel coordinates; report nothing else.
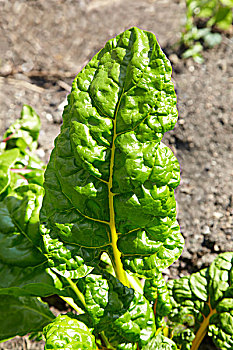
(44, 44)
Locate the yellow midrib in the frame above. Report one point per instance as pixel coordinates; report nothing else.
(120, 273)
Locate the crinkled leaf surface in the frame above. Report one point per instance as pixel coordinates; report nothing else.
(68, 333)
(203, 303)
(160, 342)
(109, 185)
(62, 260)
(21, 315)
(123, 314)
(155, 290)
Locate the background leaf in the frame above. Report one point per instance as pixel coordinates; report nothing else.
(25, 131)
(21, 315)
(203, 303)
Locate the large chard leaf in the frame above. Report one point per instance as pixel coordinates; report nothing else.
(203, 303)
(109, 185)
(21, 315)
(68, 333)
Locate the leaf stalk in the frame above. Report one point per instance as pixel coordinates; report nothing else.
(202, 330)
(77, 291)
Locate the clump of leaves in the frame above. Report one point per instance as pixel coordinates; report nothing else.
(203, 303)
(108, 217)
(205, 20)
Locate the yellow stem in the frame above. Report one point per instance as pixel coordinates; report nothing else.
(202, 330)
(117, 264)
(71, 302)
(77, 291)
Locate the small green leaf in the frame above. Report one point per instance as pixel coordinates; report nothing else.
(156, 290)
(195, 49)
(222, 18)
(212, 39)
(25, 131)
(66, 333)
(21, 315)
(199, 284)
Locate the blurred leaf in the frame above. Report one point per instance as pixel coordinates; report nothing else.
(197, 48)
(228, 3)
(212, 39)
(21, 315)
(160, 342)
(223, 18)
(7, 159)
(25, 131)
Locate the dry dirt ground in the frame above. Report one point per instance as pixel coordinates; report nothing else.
(44, 44)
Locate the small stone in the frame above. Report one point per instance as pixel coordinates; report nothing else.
(40, 152)
(174, 58)
(206, 230)
(49, 117)
(191, 69)
(218, 215)
(216, 248)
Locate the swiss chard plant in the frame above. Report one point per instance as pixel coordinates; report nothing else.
(205, 20)
(102, 227)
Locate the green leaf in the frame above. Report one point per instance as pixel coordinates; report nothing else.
(20, 139)
(61, 260)
(68, 333)
(222, 18)
(25, 131)
(195, 49)
(7, 159)
(160, 342)
(123, 314)
(203, 303)
(212, 39)
(109, 176)
(155, 290)
(21, 315)
(228, 3)
(24, 270)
